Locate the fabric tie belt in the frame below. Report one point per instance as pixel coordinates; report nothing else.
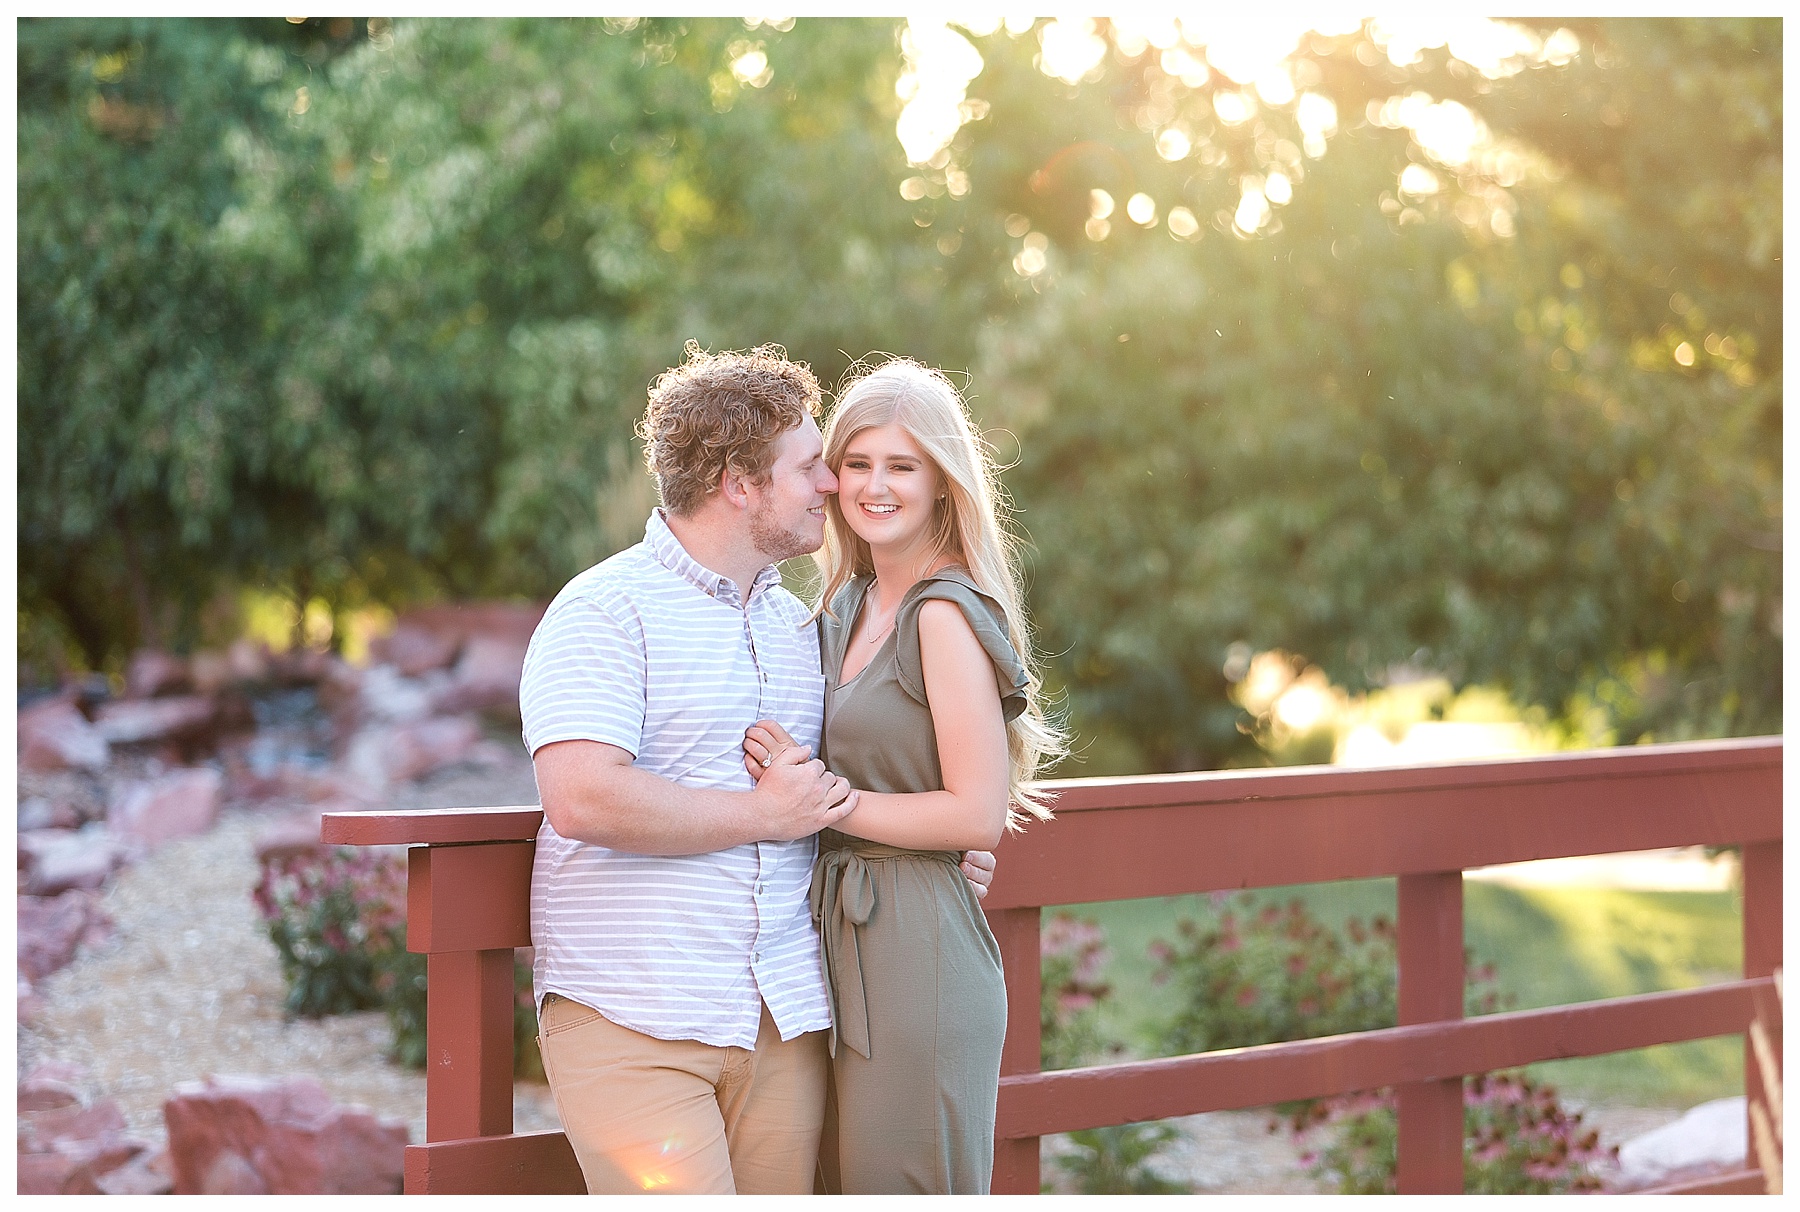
(842, 899)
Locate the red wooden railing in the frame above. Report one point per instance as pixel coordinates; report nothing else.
(1116, 839)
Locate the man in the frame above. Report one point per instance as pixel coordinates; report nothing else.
(682, 1006)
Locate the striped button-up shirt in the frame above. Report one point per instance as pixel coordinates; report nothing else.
(654, 653)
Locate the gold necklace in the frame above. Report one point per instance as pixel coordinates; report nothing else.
(875, 637)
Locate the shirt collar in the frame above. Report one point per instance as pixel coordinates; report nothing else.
(672, 555)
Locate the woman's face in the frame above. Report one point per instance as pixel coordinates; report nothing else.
(888, 489)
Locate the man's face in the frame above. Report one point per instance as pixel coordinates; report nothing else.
(787, 514)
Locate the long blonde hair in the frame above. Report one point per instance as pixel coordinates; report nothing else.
(970, 526)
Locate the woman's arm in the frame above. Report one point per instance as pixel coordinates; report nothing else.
(970, 812)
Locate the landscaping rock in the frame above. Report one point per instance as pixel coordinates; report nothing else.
(279, 1136)
(1710, 1138)
(178, 804)
(145, 1174)
(31, 1005)
(295, 833)
(49, 1087)
(385, 695)
(134, 721)
(248, 661)
(415, 650)
(52, 861)
(53, 928)
(209, 672)
(150, 673)
(42, 812)
(381, 755)
(487, 675)
(69, 1149)
(54, 735)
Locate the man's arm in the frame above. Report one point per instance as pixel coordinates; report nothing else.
(592, 793)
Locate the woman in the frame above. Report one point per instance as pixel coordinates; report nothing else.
(932, 712)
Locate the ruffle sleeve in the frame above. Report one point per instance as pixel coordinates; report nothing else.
(986, 619)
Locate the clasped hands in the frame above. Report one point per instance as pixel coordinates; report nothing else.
(803, 789)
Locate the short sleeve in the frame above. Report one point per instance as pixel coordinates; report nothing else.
(584, 677)
(986, 619)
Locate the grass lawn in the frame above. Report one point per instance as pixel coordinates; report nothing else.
(1549, 946)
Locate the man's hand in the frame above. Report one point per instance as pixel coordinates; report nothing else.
(798, 796)
(978, 869)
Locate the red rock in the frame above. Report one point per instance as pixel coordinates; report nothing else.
(69, 1149)
(486, 675)
(31, 1006)
(94, 1159)
(40, 1131)
(52, 861)
(49, 1086)
(132, 721)
(210, 672)
(414, 650)
(145, 1174)
(300, 666)
(52, 928)
(41, 812)
(178, 804)
(44, 1173)
(151, 672)
(282, 1136)
(55, 736)
(296, 833)
(249, 661)
(382, 755)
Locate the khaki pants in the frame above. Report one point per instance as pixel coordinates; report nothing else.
(677, 1116)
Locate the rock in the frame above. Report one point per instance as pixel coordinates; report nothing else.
(69, 1149)
(48, 1087)
(54, 735)
(52, 861)
(31, 1006)
(151, 672)
(178, 804)
(487, 675)
(41, 1130)
(280, 1136)
(53, 928)
(145, 1174)
(382, 755)
(296, 833)
(300, 666)
(386, 695)
(42, 812)
(133, 721)
(1709, 1138)
(249, 661)
(414, 650)
(429, 637)
(210, 672)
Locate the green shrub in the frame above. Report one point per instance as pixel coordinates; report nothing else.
(1265, 975)
(338, 919)
(1112, 1160)
(1517, 1140)
(330, 914)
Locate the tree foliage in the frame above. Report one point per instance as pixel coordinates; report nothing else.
(364, 310)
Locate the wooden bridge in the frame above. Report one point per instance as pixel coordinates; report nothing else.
(1116, 839)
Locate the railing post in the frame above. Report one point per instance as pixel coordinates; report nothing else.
(467, 908)
(1431, 990)
(1016, 930)
(1762, 956)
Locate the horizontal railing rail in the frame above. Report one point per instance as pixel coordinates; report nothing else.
(1128, 838)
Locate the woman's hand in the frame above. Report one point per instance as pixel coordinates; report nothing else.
(764, 741)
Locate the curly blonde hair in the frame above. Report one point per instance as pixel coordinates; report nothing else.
(721, 411)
